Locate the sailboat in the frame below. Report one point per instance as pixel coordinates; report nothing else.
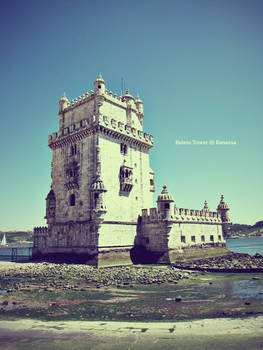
(3, 242)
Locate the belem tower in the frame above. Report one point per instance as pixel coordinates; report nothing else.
(101, 197)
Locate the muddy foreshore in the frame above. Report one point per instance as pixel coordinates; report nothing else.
(134, 307)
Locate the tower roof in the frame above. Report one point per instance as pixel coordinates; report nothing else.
(206, 206)
(128, 96)
(100, 79)
(138, 100)
(51, 195)
(222, 204)
(98, 186)
(165, 195)
(64, 97)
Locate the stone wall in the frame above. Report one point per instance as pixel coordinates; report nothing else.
(117, 234)
(121, 205)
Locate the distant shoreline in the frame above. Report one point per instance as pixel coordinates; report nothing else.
(241, 237)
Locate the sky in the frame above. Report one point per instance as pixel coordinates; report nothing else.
(197, 65)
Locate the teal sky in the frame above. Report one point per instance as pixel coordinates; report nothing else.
(197, 65)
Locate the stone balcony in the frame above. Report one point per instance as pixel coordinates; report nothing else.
(126, 184)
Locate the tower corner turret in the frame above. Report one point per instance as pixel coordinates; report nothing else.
(99, 85)
(222, 210)
(63, 103)
(139, 107)
(165, 204)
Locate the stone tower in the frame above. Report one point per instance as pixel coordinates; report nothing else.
(223, 209)
(101, 176)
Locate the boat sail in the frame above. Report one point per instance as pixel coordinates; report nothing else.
(3, 242)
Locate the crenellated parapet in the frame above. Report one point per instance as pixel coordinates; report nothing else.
(182, 215)
(124, 101)
(89, 96)
(106, 125)
(196, 215)
(41, 230)
(151, 215)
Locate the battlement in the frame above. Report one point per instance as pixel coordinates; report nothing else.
(196, 213)
(183, 215)
(108, 95)
(107, 122)
(41, 230)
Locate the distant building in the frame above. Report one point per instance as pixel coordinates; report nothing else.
(102, 181)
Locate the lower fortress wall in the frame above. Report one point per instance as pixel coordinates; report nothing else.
(112, 234)
(188, 234)
(123, 243)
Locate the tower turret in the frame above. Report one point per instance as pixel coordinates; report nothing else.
(165, 204)
(99, 85)
(50, 207)
(223, 209)
(139, 107)
(205, 209)
(63, 103)
(98, 190)
(128, 98)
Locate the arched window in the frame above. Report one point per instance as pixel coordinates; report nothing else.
(72, 200)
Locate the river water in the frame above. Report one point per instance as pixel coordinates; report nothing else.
(241, 245)
(246, 245)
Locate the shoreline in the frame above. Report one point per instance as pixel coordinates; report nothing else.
(215, 334)
(216, 326)
(241, 237)
(49, 306)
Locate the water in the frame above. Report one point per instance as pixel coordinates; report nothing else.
(240, 245)
(246, 245)
(23, 254)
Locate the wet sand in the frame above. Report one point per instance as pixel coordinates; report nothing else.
(246, 333)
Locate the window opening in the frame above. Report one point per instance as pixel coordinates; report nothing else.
(72, 200)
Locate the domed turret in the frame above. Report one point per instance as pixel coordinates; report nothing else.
(165, 195)
(222, 205)
(97, 191)
(205, 209)
(165, 204)
(99, 85)
(63, 103)
(50, 207)
(139, 107)
(129, 99)
(223, 209)
(98, 186)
